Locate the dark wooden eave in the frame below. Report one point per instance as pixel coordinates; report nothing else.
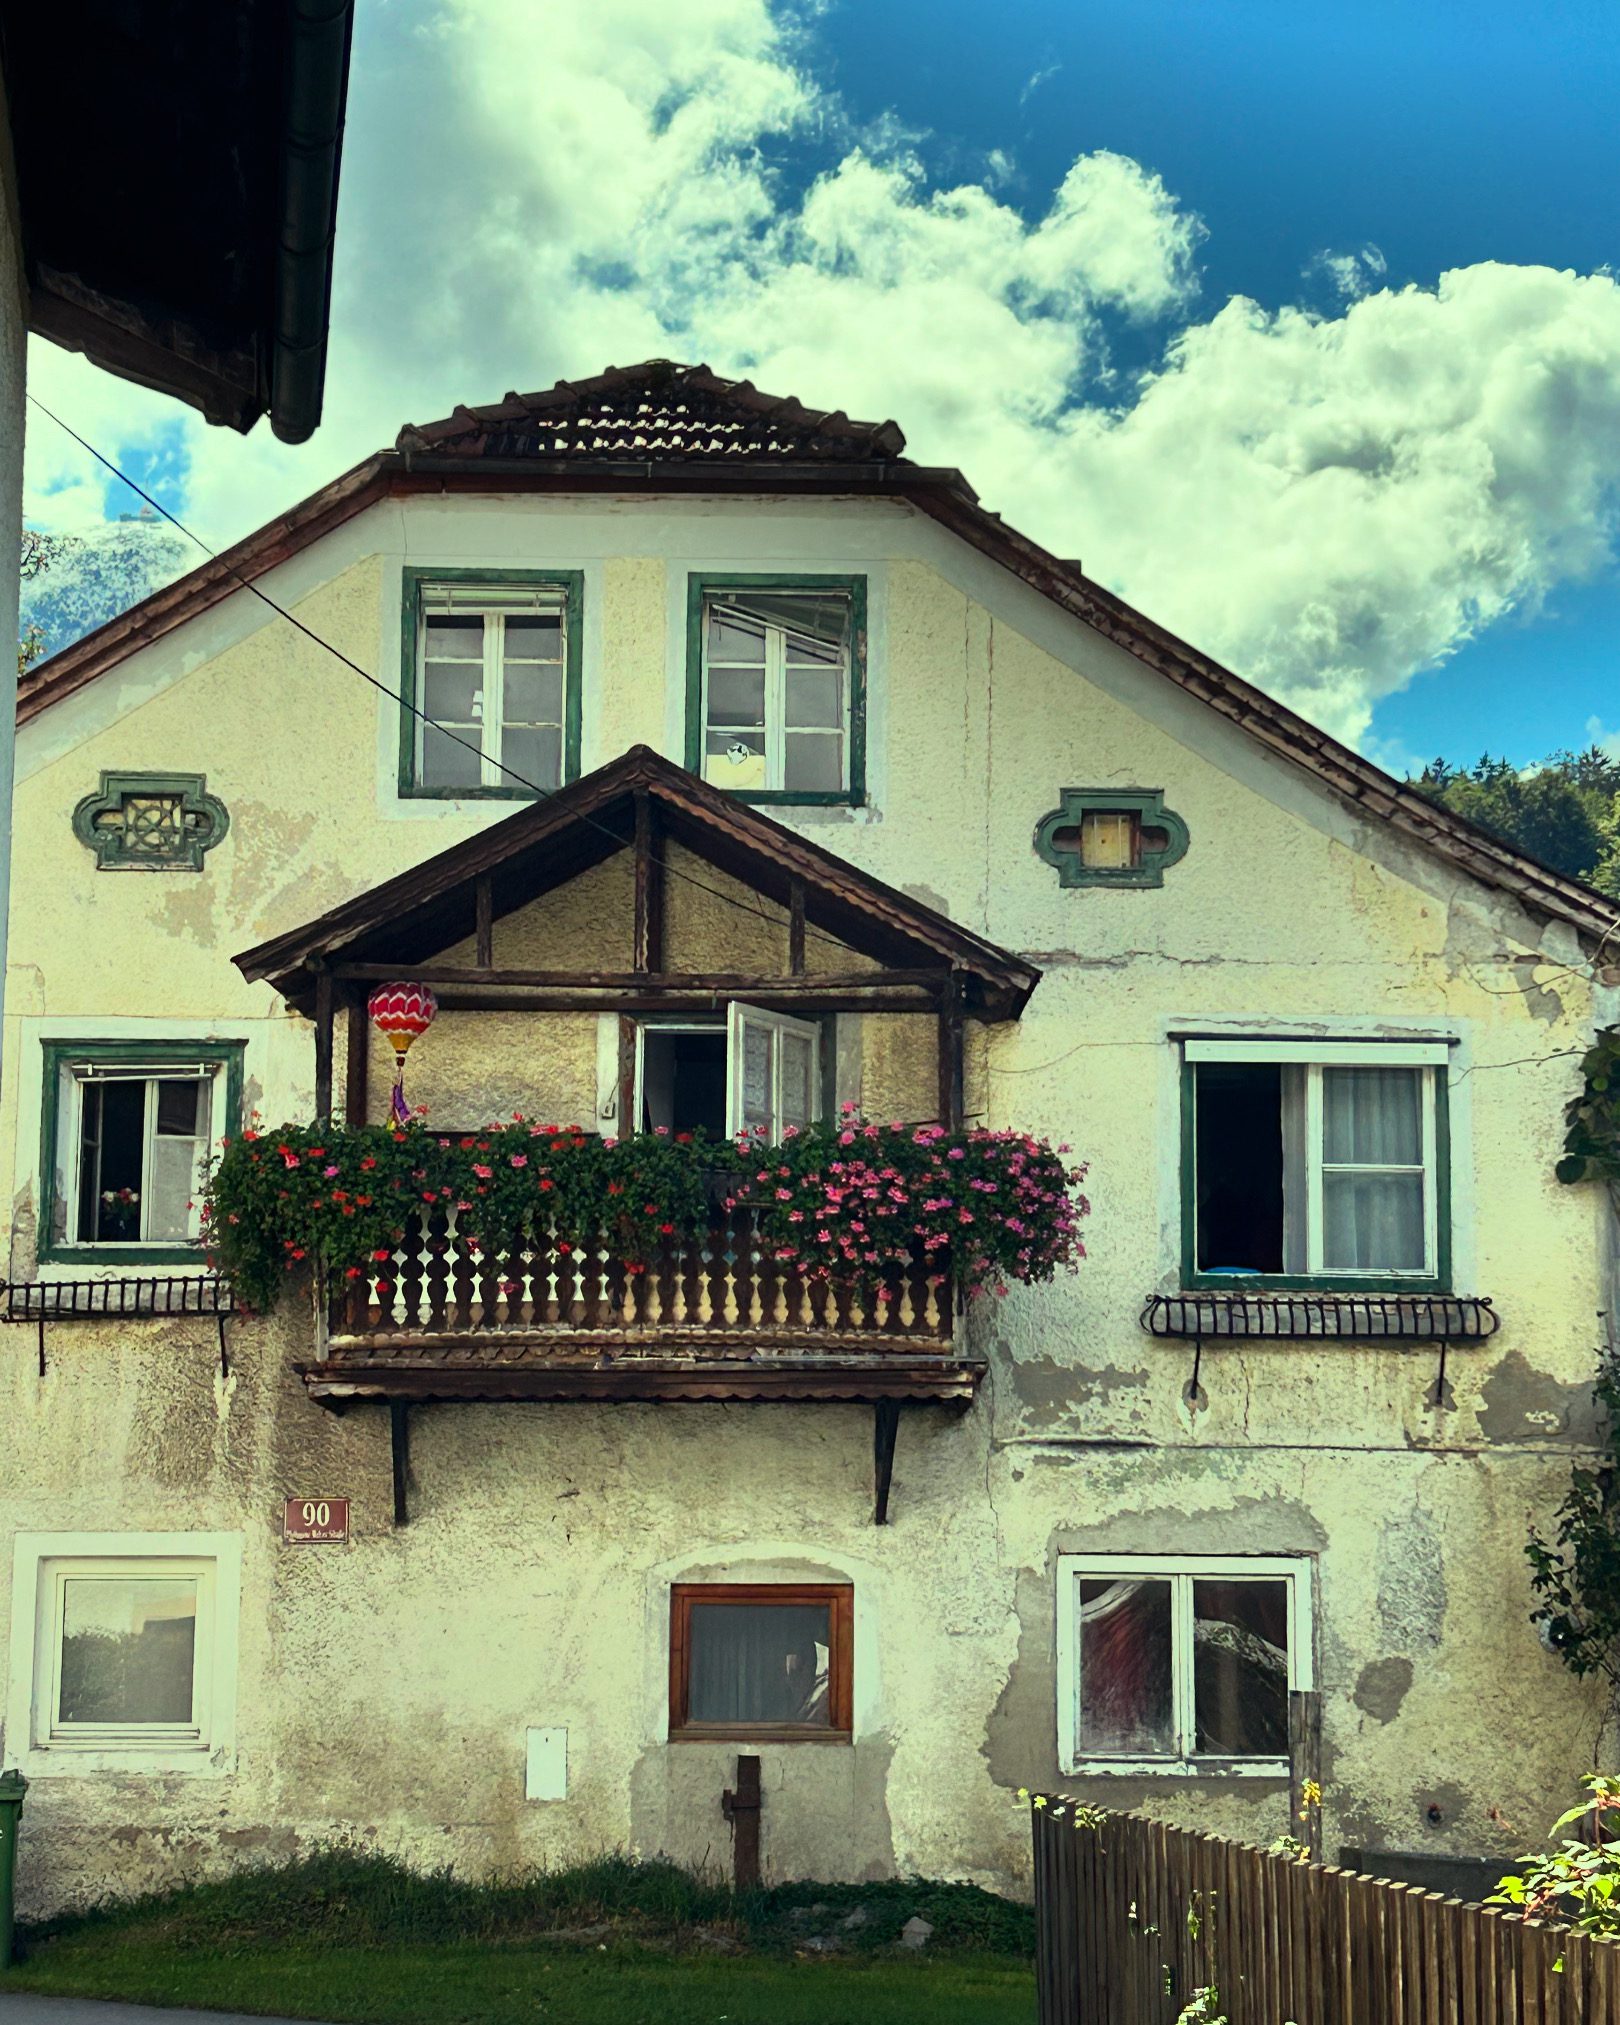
(409, 919)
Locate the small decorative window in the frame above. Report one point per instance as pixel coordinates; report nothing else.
(1315, 1164)
(127, 1134)
(151, 822)
(776, 686)
(491, 682)
(1181, 1665)
(761, 1660)
(1111, 837)
(133, 1639)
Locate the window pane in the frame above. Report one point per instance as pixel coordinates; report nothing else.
(112, 1159)
(533, 756)
(173, 1184)
(813, 761)
(537, 639)
(1372, 1221)
(735, 759)
(454, 639)
(1126, 1709)
(128, 1649)
(737, 696)
(798, 1063)
(1372, 1117)
(732, 637)
(454, 694)
(534, 694)
(815, 697)
(445, 763)
(756, 1078)
(1239, 1179)
(180, 1107)
(1240, 1668)
(759, 1663)
(1108, 839)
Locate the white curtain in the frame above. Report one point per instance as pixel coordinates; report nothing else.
(1372, 1129)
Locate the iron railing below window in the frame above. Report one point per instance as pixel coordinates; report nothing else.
(1424, 1318)
(126, 1295)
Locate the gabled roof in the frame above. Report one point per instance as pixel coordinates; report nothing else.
(659, 411)
(680, 429)
(423, 911)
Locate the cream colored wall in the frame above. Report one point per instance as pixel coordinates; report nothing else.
(13, 421)
(531, 1585)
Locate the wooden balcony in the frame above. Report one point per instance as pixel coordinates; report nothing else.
(720, 1319)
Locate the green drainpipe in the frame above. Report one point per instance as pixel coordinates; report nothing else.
(12, 1788)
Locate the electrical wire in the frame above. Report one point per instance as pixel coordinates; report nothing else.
(309, 632)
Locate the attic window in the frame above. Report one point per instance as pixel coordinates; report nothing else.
(491, 682)
(154, 822)
(1111, 837)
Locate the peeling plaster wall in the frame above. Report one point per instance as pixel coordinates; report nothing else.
(385, 1687)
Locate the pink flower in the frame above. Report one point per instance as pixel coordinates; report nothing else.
(483, 1173)
(520, 1159)
(328, 1172)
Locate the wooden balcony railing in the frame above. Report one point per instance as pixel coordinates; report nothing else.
(725, 1292)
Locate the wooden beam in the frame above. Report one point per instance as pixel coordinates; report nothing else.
(885, 1430)
(796, 926)
(324, 1013)
(357, 1038)
(935, 982)
(740, 1805)
(800, 995)
(647, 939)
(952, 1097)
(484, 917)
(627, 1077)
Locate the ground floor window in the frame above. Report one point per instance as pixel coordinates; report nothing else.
(761, 1660)
(133, 1641)
(1181, 1665)
(748, 1070)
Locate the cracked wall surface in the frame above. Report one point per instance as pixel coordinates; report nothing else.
(385, 1687)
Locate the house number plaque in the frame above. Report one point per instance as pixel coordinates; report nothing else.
(315, 1522)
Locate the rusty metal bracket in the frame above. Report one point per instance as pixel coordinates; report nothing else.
(1195, 1395)
(1440, 1397)
(224, 1354)
(885, 1430)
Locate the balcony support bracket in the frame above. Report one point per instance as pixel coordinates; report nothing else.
(399, 1437)
(885, 1429)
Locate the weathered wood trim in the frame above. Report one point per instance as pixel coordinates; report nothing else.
(356, 1038)
(484, 921)
(796, 926)
(325, 1007)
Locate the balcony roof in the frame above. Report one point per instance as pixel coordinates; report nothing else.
(410, 918)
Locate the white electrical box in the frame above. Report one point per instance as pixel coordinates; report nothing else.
(546, 1776)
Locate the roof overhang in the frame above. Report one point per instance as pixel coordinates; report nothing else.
(421, 912)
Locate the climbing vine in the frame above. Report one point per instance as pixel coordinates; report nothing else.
(1592, 1117)
(1576, 1574)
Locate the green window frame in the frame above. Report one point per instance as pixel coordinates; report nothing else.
(415, 583)
(1430, 1059)
(53, 1247)
(150, 822)
(1146, 813)
(700, 589)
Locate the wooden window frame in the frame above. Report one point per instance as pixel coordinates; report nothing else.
(839, 1597)
(1432, 1059)
(224, 1058)
(699, 589)
(1180, 1571)
(570, 585)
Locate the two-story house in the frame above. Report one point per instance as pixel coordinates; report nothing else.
(713, 767)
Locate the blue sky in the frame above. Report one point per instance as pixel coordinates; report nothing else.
(1020, 231)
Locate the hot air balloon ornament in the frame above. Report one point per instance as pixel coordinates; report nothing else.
(401, 1012)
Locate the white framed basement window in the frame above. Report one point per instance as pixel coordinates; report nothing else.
(124, 1650)
(1181, 1665)
(1316, 1164)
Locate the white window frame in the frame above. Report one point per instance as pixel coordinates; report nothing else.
(494, 606)
(42, 1564)
(80, 1076)
(739, 1018)
(1181, 1571)
(776, 684)
(1429, 1057)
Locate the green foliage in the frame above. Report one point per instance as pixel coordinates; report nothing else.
(1576, 1577)
(1592, 1117)
(1566, 812)
(341, 1896)
(1577, 1883)
(856, 1198)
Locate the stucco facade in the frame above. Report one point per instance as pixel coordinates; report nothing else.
(383, 1689)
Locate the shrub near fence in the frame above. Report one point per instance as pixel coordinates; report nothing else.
(1138, 1923)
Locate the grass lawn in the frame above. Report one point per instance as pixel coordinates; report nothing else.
(547, 1983)
(355, 1936)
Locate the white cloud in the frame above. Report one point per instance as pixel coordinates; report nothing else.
(1329, 502)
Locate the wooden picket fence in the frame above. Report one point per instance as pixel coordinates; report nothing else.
(1134, 1917)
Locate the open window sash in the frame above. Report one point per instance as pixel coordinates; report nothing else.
(773, 1065)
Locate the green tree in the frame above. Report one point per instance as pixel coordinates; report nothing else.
(1566, 811)
(37, 554)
